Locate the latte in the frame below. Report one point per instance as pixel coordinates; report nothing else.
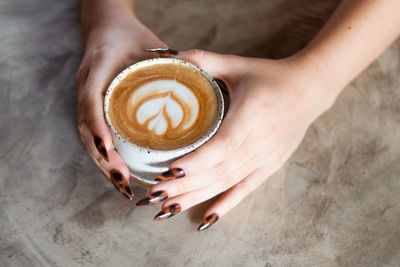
(163, 106)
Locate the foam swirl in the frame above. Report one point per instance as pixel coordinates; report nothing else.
(163, 105)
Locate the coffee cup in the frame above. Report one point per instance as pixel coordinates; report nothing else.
(159, 110)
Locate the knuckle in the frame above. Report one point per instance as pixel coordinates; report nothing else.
(101, 53)
(95, 59)
(80, 74)
(90, 81)
(81, 126)
(84, 96)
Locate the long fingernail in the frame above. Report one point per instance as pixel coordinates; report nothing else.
(207, 222)
(222, 86)
(121, 184)
(167, 212)
(153, 198)
(98, 142)
(171, 174)
(163, 51)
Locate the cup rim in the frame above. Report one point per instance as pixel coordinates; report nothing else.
(207, 136)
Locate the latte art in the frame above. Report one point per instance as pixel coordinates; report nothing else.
(163, 106)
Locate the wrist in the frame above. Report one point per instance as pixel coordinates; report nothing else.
(117, 31)
(317, 82)
(99, 15)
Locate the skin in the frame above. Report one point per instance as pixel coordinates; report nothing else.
(283, 97)
(114, 39)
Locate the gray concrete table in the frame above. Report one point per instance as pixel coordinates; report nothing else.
(336, 201)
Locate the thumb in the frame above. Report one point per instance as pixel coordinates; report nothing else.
(219, 66)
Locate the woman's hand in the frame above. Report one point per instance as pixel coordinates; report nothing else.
(112, 44)
(272, 103)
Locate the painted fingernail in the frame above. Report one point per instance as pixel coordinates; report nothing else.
(207, 222)
(167, 212)
(171, 174)
(153, 198)
(98, 142)
(222, 86)
(121, 184)
(163, 51)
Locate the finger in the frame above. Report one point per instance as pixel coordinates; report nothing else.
(232, 197)
(184, 201)
(91, 97)
(81, 75)
(119, 174)
(174, 186)
(187, 200)
(115, 170)
(225, 67)
(160, 192)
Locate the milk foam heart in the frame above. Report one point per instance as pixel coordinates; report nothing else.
(171, 105)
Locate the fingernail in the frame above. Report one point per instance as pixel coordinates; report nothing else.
(121, 184)
(153, 198)
(222, 86)
(171, 174)
(163, 51)
(98, 142)
(207, 222)
(167, 212)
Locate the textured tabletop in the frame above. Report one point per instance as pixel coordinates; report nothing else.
(336, 202)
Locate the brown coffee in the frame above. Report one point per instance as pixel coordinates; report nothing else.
(163, 106)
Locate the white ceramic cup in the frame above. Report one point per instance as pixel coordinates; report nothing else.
(144, 163)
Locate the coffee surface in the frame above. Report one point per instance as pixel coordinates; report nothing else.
(163, 106)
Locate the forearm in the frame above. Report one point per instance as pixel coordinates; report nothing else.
(353, 37)
(96, 14)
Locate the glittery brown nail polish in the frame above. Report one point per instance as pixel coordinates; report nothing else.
(121, 184)
(167, 212)
(225, 94)
(163, 52)
(207, 222)
(171, 174)
(153, 198)
(98, 142)
(222, 86)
